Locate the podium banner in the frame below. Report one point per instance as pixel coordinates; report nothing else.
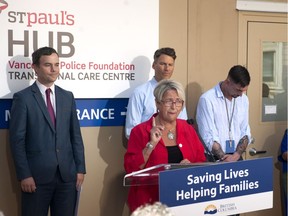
(218, 189)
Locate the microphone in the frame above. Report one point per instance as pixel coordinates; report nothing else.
(253, 151)
(190, 121)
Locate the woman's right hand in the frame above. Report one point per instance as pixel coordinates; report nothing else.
(155, 136)
(155, 132)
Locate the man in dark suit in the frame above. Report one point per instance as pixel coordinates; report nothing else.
(48, 150)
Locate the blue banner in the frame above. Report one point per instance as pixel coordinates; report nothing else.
(213, 182)
(5, 106)
(91, 112)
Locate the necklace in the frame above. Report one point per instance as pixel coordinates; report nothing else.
(170, 135)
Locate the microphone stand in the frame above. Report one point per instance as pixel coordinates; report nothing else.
(208, 154)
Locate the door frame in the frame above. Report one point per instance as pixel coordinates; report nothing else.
(245, 18)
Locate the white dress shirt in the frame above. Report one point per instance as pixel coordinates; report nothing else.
(212, 118)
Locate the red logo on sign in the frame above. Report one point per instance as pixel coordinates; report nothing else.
(3, 5)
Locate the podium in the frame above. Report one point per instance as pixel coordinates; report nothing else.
(223, 188)
(150, 176)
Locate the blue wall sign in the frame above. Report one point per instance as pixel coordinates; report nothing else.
(91, 112)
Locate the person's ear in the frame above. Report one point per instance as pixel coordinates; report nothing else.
(157, 103)
(33, 66)
(228, 81)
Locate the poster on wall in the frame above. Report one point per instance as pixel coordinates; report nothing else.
(105, 47)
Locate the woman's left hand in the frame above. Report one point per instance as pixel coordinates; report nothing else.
(185, 161)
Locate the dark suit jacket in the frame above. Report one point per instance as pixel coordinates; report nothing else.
(37, 147)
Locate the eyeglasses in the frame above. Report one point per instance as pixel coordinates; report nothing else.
(169, 103)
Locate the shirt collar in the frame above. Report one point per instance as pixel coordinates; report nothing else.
(43, 88)
(154, 81)
(219, 92)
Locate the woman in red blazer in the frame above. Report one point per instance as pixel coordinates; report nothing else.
(160, 140)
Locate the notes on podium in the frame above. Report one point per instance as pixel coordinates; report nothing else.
(223, 188)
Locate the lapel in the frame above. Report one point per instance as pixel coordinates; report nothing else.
(59, 105)
(39, 99)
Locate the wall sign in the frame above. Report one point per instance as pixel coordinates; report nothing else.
(106, 49)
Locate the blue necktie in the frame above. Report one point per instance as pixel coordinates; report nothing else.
(49, 106)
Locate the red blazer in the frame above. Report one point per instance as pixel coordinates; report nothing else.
(188, 142)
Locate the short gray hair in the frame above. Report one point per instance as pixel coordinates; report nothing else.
(168, 84)
(156, 209)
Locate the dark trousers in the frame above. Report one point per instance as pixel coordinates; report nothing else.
(57, 195)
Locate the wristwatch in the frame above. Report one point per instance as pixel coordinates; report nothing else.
(149, 145)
